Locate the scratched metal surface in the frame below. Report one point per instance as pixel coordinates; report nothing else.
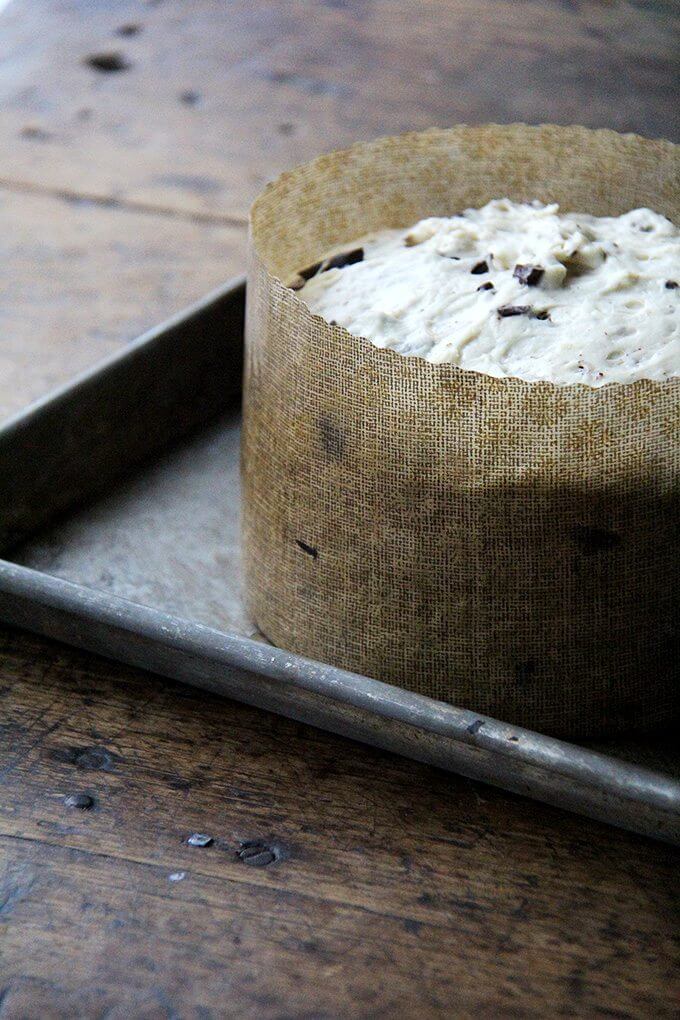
(168, 537)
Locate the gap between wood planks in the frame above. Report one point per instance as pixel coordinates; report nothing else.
(126, 205)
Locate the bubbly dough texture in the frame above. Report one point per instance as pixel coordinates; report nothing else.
(515, 290)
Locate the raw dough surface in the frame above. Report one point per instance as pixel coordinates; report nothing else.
(516, 290)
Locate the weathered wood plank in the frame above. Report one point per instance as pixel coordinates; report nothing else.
(403, 884)
(399, 891)
(214, 99)
(78, 280)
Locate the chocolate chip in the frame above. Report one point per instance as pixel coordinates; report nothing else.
(486, 286)
(339, 261)
(199, 839)
(480, 267)
(79, 800)
(671, 285)
(505, 311)
(530, 275)
(540, 313)
(344, 258)
(308, 273)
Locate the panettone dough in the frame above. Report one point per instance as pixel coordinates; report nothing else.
(514, 289)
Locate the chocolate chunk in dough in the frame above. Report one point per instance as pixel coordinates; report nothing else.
(302, 275)
(530, 275)
(486, 286)
(505, 311)
(480, 267)
(671, 285)
(344, 258)
(540, 313)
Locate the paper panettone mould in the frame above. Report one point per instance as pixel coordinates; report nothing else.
(507, 546)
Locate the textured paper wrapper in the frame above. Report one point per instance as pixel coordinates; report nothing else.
(507, 546)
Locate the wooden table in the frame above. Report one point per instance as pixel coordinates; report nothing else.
(133, 136)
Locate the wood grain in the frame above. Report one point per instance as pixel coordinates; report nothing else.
(405, 890)
(215, 99)
(397, 890)
(79, 280)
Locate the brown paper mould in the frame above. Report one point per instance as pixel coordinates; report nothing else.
(507, 546)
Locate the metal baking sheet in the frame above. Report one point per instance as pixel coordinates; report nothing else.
(119, 517)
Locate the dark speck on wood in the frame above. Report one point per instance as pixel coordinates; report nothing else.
(310, 85)
(256, 854)
(131, 28)
(82, 801)
(177, 783)
(95, 758)
(35, 133)
(107, 63)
